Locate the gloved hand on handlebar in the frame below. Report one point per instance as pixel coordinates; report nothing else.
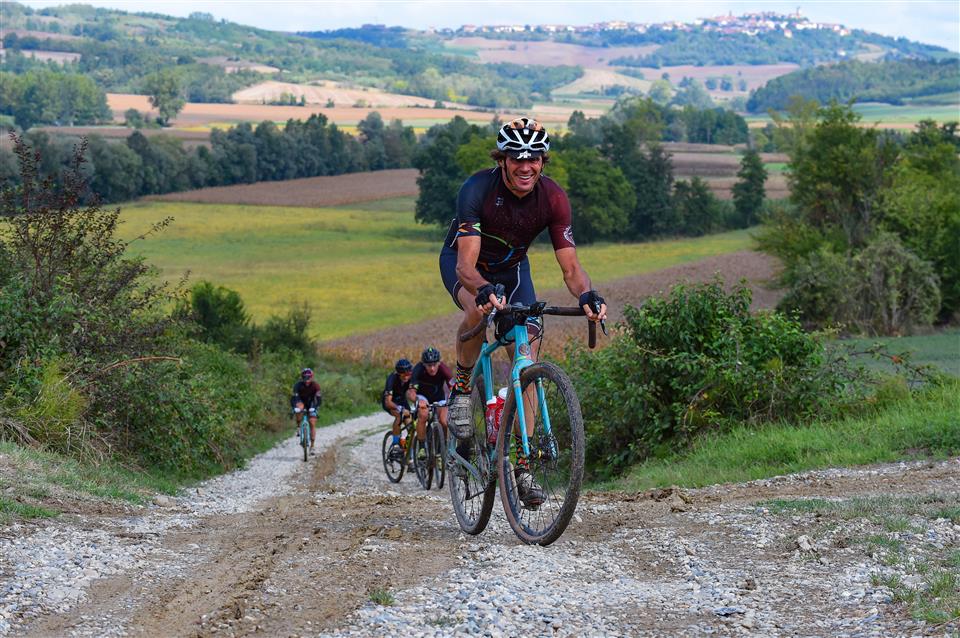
(593, 305)
(489, 297)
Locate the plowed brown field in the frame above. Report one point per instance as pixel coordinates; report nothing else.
(312, 192)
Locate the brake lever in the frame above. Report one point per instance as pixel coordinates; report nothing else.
(603, 322)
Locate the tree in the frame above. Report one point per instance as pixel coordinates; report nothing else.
(693, 94)
(749, 192)
(696, 209)
(440, 176)
(600, 196)
(660, 91)
(166, 94)
(837, 172)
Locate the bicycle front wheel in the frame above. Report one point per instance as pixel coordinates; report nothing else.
(540, 509)
(305, 440)
(472, 494)
(421, 462)
(437, 444)
(393, 461)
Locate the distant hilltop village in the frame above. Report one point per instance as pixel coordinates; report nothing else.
(750, 24)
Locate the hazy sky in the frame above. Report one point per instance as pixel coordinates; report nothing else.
(929, 21)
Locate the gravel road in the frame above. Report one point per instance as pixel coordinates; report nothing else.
(330, 548)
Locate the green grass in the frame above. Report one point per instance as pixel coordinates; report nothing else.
(48, 478)
(925, 426)
(362, 268)
(942, 108)
(10, 510)
(38, 474)
(381, 596)
(941, 350)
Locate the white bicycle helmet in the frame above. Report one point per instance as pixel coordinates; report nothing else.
(523, 138)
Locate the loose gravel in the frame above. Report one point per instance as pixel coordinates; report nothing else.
(690, 563)
(48, 569)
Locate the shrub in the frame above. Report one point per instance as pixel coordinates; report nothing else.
(189, 418)
(897, 290)
(883, 290)
(698, 360)
(821, 285)
(219, 315)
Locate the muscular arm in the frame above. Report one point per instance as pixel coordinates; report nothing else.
(576, 279)
(468, 250)
(574, 276)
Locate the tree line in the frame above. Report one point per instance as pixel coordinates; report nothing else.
(890, 81)
(616, 172)
(142, 165)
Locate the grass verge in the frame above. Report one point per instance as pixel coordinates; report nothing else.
(926, 425)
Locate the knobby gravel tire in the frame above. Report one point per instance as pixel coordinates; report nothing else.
(556, 461)
(473, 500)
(393, 468)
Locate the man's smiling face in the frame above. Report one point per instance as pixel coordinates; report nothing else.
(522, 174)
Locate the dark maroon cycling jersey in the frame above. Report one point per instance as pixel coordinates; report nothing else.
(431, 387)
(507, 224)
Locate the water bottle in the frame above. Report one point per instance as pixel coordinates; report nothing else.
(493, 420)
(490, 417)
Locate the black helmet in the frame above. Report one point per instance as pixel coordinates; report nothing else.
(306, 374)
(523, 138)
(404, 365)
(430, 355)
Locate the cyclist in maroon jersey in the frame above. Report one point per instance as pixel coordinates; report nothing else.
(500, 211)
(306, 396)
(432, 380)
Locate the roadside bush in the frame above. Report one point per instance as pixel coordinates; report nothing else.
(191, 417)
(897, 290)
(883, 290)
(288, 332)
(698, 360)
(219, 315)
(820, 286)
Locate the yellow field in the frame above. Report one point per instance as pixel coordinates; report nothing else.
(361, 268)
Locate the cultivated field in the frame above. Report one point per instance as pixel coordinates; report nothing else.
(362, 268)
(232, 66)
(324, 92)
(196, 115)
(311, 192)
(60, 57)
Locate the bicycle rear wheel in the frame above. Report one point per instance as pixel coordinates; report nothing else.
(394, 462)
(473, 496)
(438, 445)
(556, 454)
(421, 462)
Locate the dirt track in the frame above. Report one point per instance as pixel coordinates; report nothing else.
(307, 562)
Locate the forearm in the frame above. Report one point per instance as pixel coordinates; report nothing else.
(470, 277)
(577, 281)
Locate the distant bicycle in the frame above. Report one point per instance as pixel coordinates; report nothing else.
(304, 434)
(436, 467)
(408, 452)
(541, 416)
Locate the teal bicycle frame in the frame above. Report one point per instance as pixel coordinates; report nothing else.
(521, 360)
